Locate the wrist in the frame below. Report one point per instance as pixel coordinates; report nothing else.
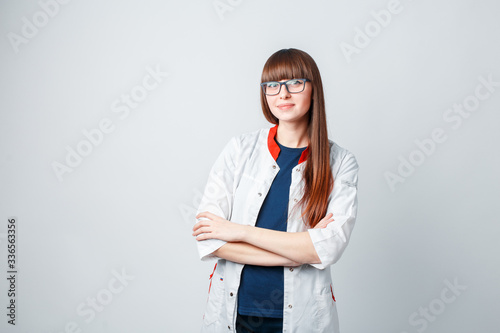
(245, 230)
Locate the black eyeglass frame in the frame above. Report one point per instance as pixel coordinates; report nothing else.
(263, 84)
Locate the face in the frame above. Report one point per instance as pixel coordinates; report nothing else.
(289, 107)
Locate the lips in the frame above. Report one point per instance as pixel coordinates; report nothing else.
(285, 106)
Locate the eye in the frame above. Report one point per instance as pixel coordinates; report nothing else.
(295, 82)
(272, 84)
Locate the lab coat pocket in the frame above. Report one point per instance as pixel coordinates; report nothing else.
(215, 297)
(325, 315)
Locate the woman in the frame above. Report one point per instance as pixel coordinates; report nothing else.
(278, 209)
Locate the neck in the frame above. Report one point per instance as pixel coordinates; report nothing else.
(293, 135)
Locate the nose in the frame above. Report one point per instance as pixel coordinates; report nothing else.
(284, 94)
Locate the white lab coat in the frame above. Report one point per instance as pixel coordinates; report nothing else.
(237, 186)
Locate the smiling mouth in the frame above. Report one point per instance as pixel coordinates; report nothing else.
(285, 106)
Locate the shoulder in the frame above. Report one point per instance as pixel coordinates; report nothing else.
(251, 138)
(339, 152)
(341, 158)
(247, 142)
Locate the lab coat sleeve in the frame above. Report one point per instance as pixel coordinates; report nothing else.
(331, 241)
(218, 195)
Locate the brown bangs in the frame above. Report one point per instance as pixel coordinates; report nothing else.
(285, 64)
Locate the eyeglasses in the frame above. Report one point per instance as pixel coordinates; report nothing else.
(292, 86)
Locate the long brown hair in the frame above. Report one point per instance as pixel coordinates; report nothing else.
(297, 64)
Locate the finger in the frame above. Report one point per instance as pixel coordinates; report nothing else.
(328, 216)
(201, 231)
(202, 223)
(204, 236)
(324, 222)
(321, 224)
(207, 215)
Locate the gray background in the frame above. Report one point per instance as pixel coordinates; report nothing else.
(128, 206)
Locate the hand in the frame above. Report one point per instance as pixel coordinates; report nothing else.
(294, 264)
(324, 221)
(218, 228)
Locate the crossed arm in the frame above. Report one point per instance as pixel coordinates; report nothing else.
(258, 246)
(245, 253)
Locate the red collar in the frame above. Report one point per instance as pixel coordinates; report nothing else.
(274, 149)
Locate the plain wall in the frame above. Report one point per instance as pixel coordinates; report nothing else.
(395, 74)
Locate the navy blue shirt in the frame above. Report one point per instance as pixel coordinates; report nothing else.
(261, 287)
